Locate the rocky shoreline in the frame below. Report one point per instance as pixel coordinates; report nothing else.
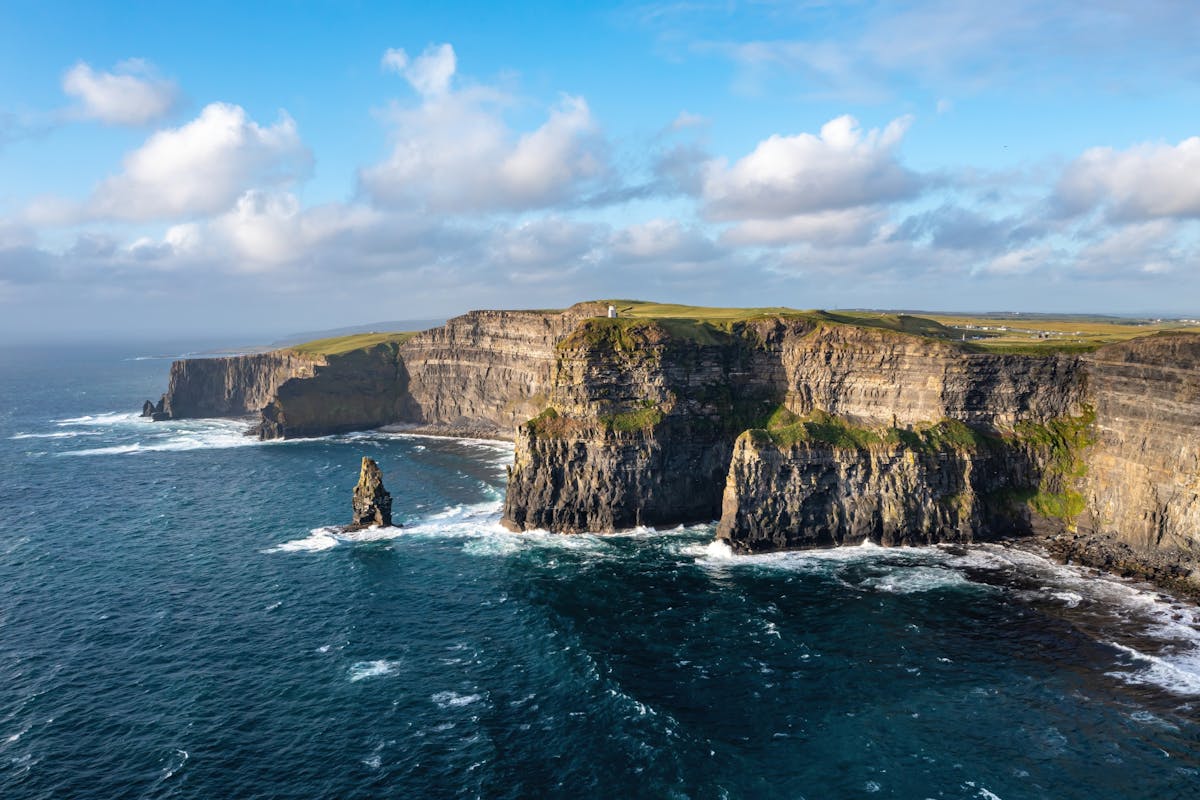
(1175, 571)
(795, 430)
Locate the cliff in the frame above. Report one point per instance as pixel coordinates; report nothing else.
(795, 429)
(233, 386)
(639, 425)
(1143, 472)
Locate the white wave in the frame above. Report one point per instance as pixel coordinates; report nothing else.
(717, 553)
(1178, 675)
(1070, 599)
(718, 550)
(177, 760)
(911, 580)
(330, 536)
(185, 435)
(454, 699)
(362, 670)
(55, 435)
(110, 418)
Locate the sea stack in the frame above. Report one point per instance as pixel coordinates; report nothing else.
(372, 503)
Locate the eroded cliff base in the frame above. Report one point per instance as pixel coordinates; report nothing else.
(1176, 571)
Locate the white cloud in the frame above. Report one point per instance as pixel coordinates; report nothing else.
(687, 119)
(552, 241)
(1021, 261)
(841, 226)
(1146, 181)
(132, 94)
(786, 176)
(429, 73)
(202, 167)
(1142, 250)
(454, 152)
(662, 240)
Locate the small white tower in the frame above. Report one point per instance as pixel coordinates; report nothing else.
(612, 312)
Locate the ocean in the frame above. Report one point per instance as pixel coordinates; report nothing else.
(179, 620)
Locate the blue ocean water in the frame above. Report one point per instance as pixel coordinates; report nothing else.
(176, 622)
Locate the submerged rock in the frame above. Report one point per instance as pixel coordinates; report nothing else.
(372, 502)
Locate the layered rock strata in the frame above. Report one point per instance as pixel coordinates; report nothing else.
(794, 431)
(232, 386)
(372, 503)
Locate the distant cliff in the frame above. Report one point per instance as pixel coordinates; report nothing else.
(233, 386)
(792, 429)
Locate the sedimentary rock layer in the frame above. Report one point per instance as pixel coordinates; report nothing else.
(1143, 472)
(625, 422)
(233, 386)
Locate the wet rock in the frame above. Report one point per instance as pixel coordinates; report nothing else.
(155, 411)
(372, 502)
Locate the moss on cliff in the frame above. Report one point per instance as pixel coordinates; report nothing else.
(640, 419)
(551, 425)
(785, 429)
(1064, 441)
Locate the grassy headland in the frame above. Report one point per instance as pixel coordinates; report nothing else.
(344, 344)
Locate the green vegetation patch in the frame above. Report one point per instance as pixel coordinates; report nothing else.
(339, 345)
(1065, 441)
(551, 425)
(642, 419)
(787, 429)
(632, 334)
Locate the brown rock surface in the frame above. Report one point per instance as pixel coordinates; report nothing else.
(372, 502)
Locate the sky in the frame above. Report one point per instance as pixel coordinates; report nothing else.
(173, 170)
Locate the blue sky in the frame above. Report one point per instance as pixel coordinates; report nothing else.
(257, 168)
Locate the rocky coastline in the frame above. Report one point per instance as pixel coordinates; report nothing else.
(793, 430)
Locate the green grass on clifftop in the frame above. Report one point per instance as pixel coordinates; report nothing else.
(339, 345)
(1004, 334)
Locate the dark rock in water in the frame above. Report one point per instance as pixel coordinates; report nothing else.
(156, 412)
(372, 503)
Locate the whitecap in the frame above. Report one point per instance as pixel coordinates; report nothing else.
(362, 670)
(55, 435)
(330, 536)
(911, 580)
(454, 699)
(1179, 675)
(1070, 599)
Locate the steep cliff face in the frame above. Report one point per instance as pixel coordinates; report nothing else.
(233, 386)
(351, 391)
(692, 389)
(1143, 473)
(480, 374)
(882, 377)
(485, 372)
(786, 495)
(639, 426)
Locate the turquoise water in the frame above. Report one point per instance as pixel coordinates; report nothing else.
(176, 621)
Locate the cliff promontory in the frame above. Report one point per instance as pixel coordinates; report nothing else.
(794, 429)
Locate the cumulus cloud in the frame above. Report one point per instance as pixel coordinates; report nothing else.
(785, 176)
(842, 226)
(131, 94)
(202, 167)
(663, 241)
(454, 152)
(552, 241)
(429, 73)
(1140, 250)
(1146, 181)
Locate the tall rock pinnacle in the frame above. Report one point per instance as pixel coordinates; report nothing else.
(372, 503)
